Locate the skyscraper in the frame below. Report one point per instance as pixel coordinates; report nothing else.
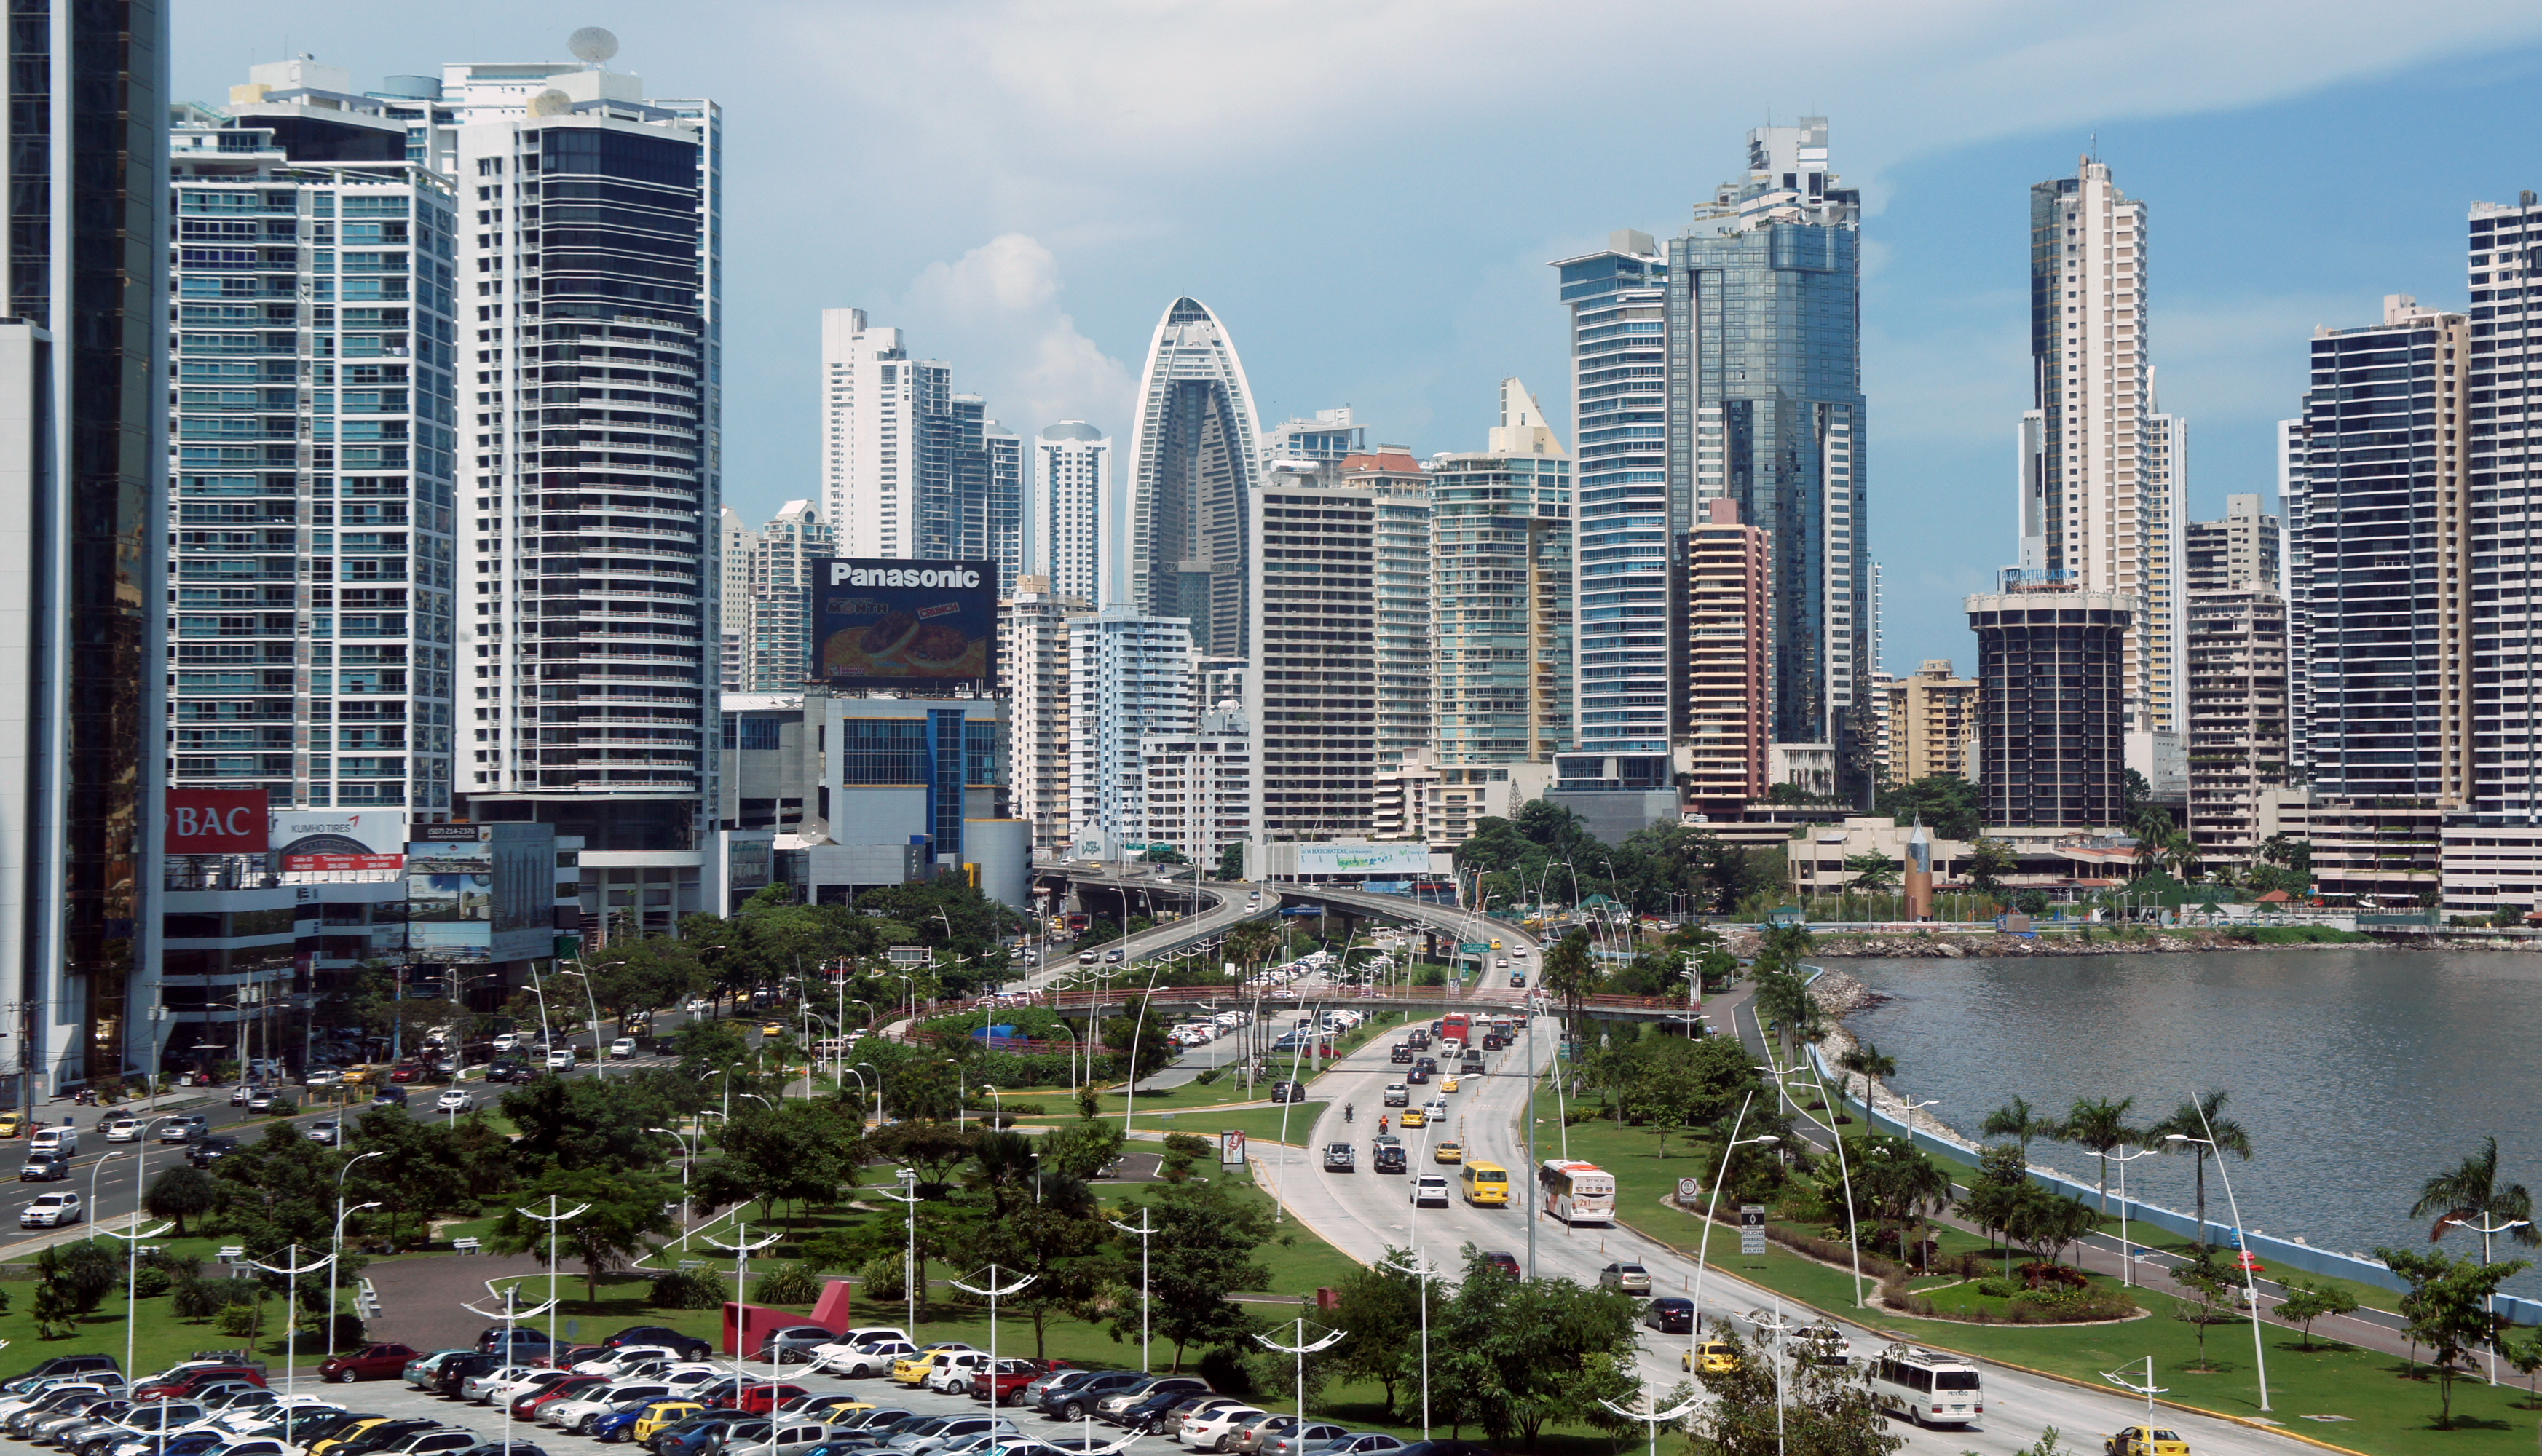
(2387, 560)
(2236, 678)
(2051, 672)
(1627, 674)
(1033, 631)
(1071, 511)
(82, 454)
(1730, 641)
(1194, 459)
(348, 619)
(1406, 646)
(2104, 475)
(768, 597)
(1127, 675)
(1766, 408)
(2245, 548)
(1501, 573)
(2504, 463)
(590, 480)
(1310, 702)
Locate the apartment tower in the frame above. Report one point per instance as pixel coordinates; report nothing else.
(1501, 583)
(1194, 462)
(1071, 512)
(1033, 661)
(1127, 675)
(1311, 699)
(1730, 649)
(2052, 669)
(1934, 722)
(1406, 640)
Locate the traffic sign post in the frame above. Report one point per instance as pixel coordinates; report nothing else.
(1752, 1229)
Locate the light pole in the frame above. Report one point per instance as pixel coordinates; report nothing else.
(909, 1266)
(1422, 1272)
(132, 1260)
(1843, 1168)
(339, 1239)
(582, 972)
(291, 1274)
(993, 1291)
(1650, 1415)
(510, 1314)
(1301, 1349)
(862, 1090)
(2487, 1301)
(2126, 1245)
(1703, 1245)
(555, 1229)
(1147, 1226)
(2148, 1390)
(879, 1118)
(686, 1157)
(2250, 1287)
(997, 1111)
(741, 1252)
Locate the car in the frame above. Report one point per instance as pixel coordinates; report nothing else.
(442, 1441)
(264, 1100)
(1414, 1117)
(760, 1398)
(1006, 1386)
(1502, 1260)
(659, 1415)
(456, 1100)
(622, 1049)
(1712, 1356)
(772, 1028)
(1448, 1083)
(793, 1344)
(875, 1358)
(1361, 1443)
(1430, 1189)
(325, 1133)
(2145, 1440)
(389, 1096)
(1398, 1095)
(122, 1127)
(1114, 1407)
(1518, 979)
(1822, 1344)
(44, 1167)
(561, 1059)
(1212, 1429)
(1418, 1076)
(623, 1360)
(1629, 1278)
(51, 1211)
(243, 1091)
(1399, 1051)
(504, 1069)
(371, 1362)
(1448, 1150)
(211, 1150)
(323, 1076)
(1286, 1091)
(1297, 1440)
(1669, 1316)
(688, 1347)
(1386, 1155)
(526, 1404)
(1112, 958)
(1075, 1398)
(912, 1371)
(1339, 1157)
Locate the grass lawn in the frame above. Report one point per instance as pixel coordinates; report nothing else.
(1258, 1124)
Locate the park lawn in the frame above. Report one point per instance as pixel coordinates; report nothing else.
(1260, 1125)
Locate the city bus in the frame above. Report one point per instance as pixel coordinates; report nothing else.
(1927, 1388)
(1486, 1184)
(1456, 1027)
(1577, 1191)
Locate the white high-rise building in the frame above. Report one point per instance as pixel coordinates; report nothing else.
(1127, 675)
(768, 597)
(877, 451)
(1310, 702)
(1193, 463)
(1033, 648)
(1071, 512)
(2103, 474)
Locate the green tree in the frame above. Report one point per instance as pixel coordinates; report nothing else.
(1866, 1061)
(1516, 1356)
(2016, 1120)
(1988, 861)
(2307, 1301)
(1380, 1304)
(2200, 1128)
(2447, 1309)
(276, 1191)
(1202, 1252)
(1006, 1165)
(934, 1150)
(1569, 973)
(1154, 1049)
(2471, 1194)
(584, 1122)
(1049, 1237)
(2045, 1224)
(179, 1192)
(794, 1152)
(2209, 1301)
(620, 1211)
(1231, 863)
(1898, 1186)
(2101, 1129)
(1821, 1409)
(421, 1176)
(1994, 1195)
(1946, 802)
(1165, 854)
(1084, 1148)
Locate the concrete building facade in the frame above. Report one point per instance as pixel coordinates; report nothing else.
(1197, 787)
(1034, 630)
(1311, 701)
(1071, 512)
(1407, 647)
(2051, 672)
(1729, 660)
(1501, 591)
(1129, 676)
(2237, 717)
(1933, 717)
(2245, 549)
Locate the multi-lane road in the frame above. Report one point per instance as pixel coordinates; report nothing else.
(1364, 1213)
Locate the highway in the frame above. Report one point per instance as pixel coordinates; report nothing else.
(1364, 1213)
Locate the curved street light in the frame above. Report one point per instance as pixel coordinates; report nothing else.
(2249, 1285)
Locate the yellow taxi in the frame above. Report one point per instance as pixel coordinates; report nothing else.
(1448, 1083)
(1414, 1117)
(828, 1410)
(772, 1028)
(912, 1370)
(13, 1125)
(1450, 1151)
(347, 1434)
(2145, 1440)
(1716, 1357)
(661, 1413)
(359, 1073)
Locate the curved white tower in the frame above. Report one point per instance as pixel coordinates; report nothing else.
(1192, 461)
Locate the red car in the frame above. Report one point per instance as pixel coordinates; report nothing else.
(525, 1406)
(374, 1362)
(187, 1382)
(1013, 1374)
(758, 1400)
(406, 1071)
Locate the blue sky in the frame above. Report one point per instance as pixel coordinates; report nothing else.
(1368, 191)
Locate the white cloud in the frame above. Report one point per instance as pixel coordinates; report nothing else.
(994, 314)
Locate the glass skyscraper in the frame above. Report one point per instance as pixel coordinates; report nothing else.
(1766, 408)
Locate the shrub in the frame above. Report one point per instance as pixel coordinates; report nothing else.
(197, 1299)
(2003, 1288)
(239, 1320)
(151, 1283)
(883, 1279)
(696, 1288)
(794, 1284)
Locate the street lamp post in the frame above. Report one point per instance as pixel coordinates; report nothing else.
(992, 1292)
(2487, 1301)
(686, 1157)
(2250, 1287)
(879, 1118)
(1651, 1416)
(2126, 1245)
(1147, 1226)
(556, 1230)
(1845, 1170)
(1301, 1349)
(1422, 1272)
(510, 1314)
(339, 1240)
(1704, 1246)
(131, 1246)
(291, 1274)
(909, 1266)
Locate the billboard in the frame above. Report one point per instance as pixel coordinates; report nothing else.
(913, 626)
(340, 839)
(1363, 859)
(486, 900)
(204, 820)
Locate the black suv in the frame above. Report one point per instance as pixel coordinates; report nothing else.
(1287, 1091)
(1072, 1401)
(1402, 1051)
(1388, 1156)
(211, 1150)
(75, 1364)
(688, 1347)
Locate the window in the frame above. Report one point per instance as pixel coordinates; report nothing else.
(759, 735)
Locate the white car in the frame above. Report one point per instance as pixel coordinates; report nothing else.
(1207, 1431)
(951, 1374)
(456, 1100)
(561, 1059)
(625, 1357)
(51, 1211)
(852, 1343)
(622, 1049)
(872, 1359)
(1430, 1190)
(122, 1127)
(507, 1041)
(573, 1415)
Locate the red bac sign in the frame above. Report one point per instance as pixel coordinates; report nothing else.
(215, 822)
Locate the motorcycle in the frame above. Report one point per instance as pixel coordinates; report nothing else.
(1350, 1114)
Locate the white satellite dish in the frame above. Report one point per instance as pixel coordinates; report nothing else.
(593, 45)
(551, 103)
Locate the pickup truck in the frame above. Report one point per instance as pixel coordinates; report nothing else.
(371, 1362)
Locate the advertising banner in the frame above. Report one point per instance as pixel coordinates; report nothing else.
(216, 822)
(915, 626)
(1363, 859)
(340, 839)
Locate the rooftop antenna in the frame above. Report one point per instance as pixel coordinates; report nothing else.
(593, 46)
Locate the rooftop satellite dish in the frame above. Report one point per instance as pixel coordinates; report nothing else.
(551, 104)
(593, 45)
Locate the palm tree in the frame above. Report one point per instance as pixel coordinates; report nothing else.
(1866, 1061)
(1902, 1186)
(2101, 1127)
(2201, 1129)
(2471, 1194)
(2015, 1119)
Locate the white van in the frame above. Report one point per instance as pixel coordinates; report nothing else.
(63, 1140)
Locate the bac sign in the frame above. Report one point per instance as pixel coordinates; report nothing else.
(216, 822)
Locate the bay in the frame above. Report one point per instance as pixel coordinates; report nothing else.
(2358, 1072)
